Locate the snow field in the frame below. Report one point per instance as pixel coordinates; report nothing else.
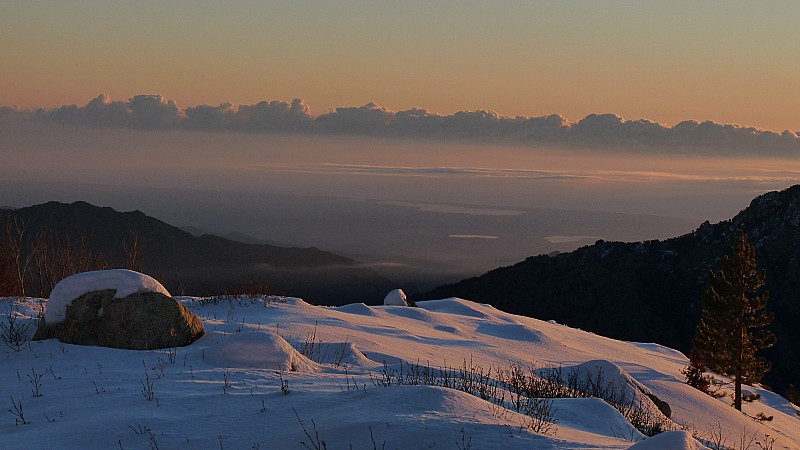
(224, 391)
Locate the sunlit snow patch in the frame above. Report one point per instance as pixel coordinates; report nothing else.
(454, 305)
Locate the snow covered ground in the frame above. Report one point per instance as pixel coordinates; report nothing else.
(278, 373)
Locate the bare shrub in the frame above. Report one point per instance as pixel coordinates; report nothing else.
(529, 390)
(715, 438)
(32, 264)
(133, 250)
(56, 257)
(314, 443)
(35, 380)
(311, 348)
(18, 412)
(507, 389)
(9, 280)
(15, 256)
(465, 443)
(540, 415)
(284, 382)
(226, 380)
(13, 333)
(148, 391)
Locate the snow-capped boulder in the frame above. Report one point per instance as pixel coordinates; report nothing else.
(124, 282)
(395, 298)
(120, 309)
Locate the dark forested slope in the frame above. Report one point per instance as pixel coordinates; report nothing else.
(199, 265)
(651, 291)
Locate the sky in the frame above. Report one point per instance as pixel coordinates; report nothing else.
(447, 137)
(726, 61)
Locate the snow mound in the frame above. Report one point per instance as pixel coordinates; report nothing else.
(427, 320)
(662, 351)
(395, 298)
(593, 415)
(342, 353)
(257, 351)
(606, 380)
(125, 282)
(670, 440)
(359, 309)
(601, 374)
(410, 417)
(512, 332)
(455, 305)
(411, 313)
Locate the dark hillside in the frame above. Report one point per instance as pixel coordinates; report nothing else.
(205, 264)
(651, 291)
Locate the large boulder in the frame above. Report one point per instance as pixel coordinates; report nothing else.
(139, 321)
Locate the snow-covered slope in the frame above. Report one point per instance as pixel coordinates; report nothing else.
(269, 367)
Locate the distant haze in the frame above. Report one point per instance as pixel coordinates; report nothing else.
(422, 211)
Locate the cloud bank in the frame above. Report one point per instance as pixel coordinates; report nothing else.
(593, 131)
(614, 176)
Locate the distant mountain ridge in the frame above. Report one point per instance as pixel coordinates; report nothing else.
(230, 235)
(651, 291)
(206, 264)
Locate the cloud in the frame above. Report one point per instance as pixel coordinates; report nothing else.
(275, 116)
(573, 175)
(607, 131)
(140, 111)
(369, 119)
(362, 169)
(443, 208)
(435, 171)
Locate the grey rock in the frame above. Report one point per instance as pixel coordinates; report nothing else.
(140, 321)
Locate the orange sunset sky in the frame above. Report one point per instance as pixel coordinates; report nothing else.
(727, 61)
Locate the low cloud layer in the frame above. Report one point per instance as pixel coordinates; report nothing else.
(593, 131)
(576, 174)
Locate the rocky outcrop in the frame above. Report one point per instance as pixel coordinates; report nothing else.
(140, 321)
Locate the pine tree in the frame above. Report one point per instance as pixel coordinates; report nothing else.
(731, 328)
